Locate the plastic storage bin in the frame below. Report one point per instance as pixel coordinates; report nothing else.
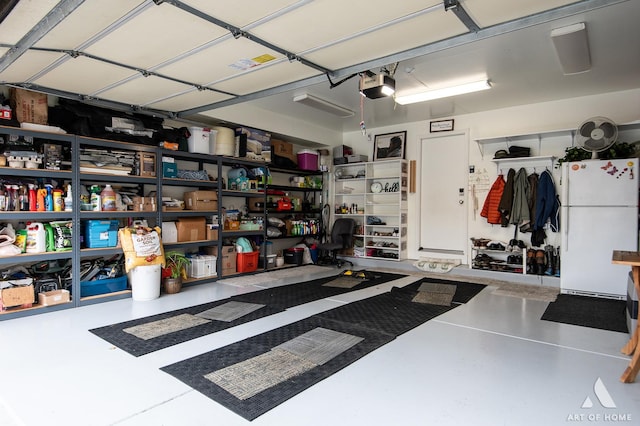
(202, 266)
(293, 255)
(202, 140)
(111, 285)
(101, 233)
(247, 262)
(308, 160)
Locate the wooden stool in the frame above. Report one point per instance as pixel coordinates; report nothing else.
(631, 258)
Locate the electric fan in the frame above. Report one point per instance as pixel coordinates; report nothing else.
(596, 134)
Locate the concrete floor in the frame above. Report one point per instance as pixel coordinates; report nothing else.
(491, 361)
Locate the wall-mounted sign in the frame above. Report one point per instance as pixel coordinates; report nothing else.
(441, 126)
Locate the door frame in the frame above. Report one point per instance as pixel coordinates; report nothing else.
(445, 254)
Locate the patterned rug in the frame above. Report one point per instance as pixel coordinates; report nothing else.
(278, 274)
(145, 335)
(254, 375)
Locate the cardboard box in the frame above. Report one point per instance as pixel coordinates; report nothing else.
(283, 149)
(228, 257)
(144, 204)
(30, 107)
(201, 200)
(191, 229)
(147, 163)
(19, 296)
(54, 297)
(212, 232)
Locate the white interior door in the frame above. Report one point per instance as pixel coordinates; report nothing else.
(443, 194)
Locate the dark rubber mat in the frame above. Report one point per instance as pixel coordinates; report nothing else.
(585, 311)
(276, 300)
(377, 320)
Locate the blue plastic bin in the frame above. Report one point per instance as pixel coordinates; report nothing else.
(110, 285)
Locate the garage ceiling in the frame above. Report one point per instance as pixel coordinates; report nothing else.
(192, 59)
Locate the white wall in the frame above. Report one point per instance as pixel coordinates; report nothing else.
(621, 107)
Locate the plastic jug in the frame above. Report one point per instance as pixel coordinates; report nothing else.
(36, 238)
(108, 199)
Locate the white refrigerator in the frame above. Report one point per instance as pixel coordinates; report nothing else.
(599, 214)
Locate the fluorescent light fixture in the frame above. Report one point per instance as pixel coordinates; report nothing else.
(377, 86)
(323, 105)
(572, 48)
(444, 92)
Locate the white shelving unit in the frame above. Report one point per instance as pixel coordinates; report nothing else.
(375, 195)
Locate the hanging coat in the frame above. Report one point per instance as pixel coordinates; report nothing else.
(506, 201)
(490, 206)
(531, 202)
(520, 206)
(547, 207)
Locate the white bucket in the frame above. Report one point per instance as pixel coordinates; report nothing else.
(145, 282)
(225, 141)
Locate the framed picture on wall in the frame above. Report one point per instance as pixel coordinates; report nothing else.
(389, 146)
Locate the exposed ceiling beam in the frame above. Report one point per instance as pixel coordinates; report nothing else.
(483, 33)
(462, 14)
(46, 24)
(239, 32)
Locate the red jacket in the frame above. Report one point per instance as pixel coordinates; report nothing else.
(490, 207)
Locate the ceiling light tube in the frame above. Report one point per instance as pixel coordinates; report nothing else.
(445, 92)
(323, 105)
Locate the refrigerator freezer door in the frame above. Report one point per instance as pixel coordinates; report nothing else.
(589, 237)
(600, 183)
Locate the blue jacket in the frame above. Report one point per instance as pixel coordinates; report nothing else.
(547, 203)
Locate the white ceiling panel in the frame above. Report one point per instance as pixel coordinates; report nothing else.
(155, 36)
(23, 17)
(266, 77)
(28, 65)
(490, 12)
(216, 63)
(416, 32)
(332, 20)
(144, 90)
(241, 13)
(192, 99)
(86, 21)
(83, 75)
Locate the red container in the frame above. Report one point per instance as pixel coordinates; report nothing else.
(247, 262)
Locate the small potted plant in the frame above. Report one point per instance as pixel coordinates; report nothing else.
(174, 272)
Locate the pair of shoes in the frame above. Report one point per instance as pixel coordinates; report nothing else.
(496, 245)
(516, 245)
(480, 242)
(514, 259)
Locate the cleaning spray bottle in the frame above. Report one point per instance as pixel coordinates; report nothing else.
(33, 199)
(41, 195)
(96, 205)
(48, 201)
(68, 200)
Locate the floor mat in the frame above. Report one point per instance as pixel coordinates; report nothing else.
(287, 296)
(241, 376)
(197, 372)
(145, 335)
(585, 311)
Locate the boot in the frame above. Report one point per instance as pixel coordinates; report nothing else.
(557, 265)
(541, 262)
(550, 255)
